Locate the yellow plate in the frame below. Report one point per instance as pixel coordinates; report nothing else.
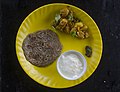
(42, 18)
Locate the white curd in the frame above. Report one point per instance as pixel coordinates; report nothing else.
(71, 65)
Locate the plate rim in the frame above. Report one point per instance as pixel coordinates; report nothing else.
(101, 42)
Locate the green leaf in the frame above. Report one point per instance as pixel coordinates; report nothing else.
(73, 33)
(70, 17)
(57, 17)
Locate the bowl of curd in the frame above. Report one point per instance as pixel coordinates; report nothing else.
(71, 65)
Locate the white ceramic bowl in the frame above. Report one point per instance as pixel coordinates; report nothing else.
(63, 73)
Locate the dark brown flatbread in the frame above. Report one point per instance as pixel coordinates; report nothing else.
(42, 47)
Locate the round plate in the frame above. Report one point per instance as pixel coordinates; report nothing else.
(42, 18)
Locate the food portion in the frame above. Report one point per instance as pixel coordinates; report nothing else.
(66, 22)
(42, 47)
(88, 51)
(71, 65)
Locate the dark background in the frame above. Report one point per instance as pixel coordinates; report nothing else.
(106, 14)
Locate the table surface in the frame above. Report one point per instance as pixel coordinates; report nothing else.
(106, 14)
